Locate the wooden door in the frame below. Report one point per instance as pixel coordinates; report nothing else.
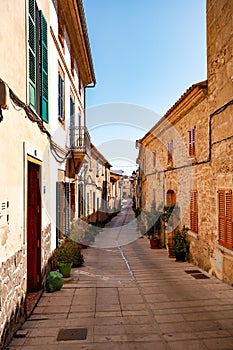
(33, 228)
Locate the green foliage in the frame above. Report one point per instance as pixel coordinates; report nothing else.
(54, 281)
(69, 251)
(181, 242)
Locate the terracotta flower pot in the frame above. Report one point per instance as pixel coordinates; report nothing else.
(154, 243)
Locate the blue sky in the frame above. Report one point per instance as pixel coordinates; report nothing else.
(145, 53)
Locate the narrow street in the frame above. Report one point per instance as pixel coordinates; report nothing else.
(128, 296)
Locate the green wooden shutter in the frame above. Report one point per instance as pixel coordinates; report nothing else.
(32, 52)
(44, 68)
(58, 210)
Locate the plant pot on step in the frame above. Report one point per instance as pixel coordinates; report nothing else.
(65, 268)
(171, 253)
(154, 243)
(181, 256)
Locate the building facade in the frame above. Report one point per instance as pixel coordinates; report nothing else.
(44, 141)
(97, 187)
(186, 159)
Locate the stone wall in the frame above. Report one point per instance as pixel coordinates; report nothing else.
(46, 252)
(219, 51)
(13, 294)
(13, 287)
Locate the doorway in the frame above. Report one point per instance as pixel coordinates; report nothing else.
(33, 228)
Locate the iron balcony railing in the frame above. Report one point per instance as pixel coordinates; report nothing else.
(78, 139)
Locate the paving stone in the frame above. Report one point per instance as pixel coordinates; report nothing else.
(165, 308)
(109, 330)
(188, 345)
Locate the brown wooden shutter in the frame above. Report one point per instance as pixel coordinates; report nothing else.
(229, 241)
(194, 212)
(225, 218)
(221, 216)
(192, 141)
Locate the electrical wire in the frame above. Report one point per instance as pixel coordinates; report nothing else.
(33, 117)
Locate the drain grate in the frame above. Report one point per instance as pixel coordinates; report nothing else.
(199, 276)
(72, 334)
(192, 271)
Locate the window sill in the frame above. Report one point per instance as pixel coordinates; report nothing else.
(224, 249)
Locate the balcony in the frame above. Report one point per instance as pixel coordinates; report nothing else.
(79, 144)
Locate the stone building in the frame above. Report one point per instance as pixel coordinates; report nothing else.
(186, 157)
(44, 141)
(127, 189)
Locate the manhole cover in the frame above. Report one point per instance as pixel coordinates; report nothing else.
(72, 334)
(192, 271)
(199, 276)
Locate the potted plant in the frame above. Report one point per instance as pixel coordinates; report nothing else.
(154, 241)
(66, 255)
(181, 244)
(153, 223)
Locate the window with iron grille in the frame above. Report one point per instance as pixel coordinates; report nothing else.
(192, 141)
(38, 60)
(194, 212)
(225, 219)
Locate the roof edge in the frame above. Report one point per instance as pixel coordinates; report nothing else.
(86, 37)
(200, 85)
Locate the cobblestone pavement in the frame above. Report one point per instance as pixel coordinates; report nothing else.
(130, 297)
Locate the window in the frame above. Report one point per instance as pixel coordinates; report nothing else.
(194, 212)
(72, 121)
(154, 159)
(94, 206)
(97, 167)
(225, 220)
(192, 141)
(169, 151)
(38, 60)
(61, 95)
(62, 210)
